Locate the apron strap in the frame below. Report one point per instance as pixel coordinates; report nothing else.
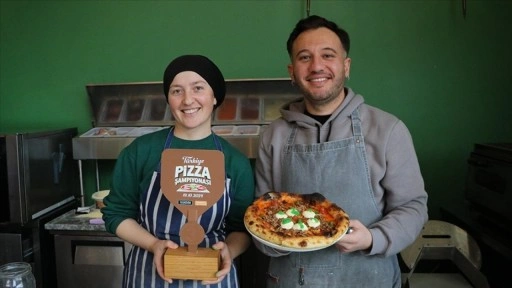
(357, 129)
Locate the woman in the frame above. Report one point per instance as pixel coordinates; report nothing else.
(194, 87)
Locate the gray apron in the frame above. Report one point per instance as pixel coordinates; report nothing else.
(338, 170)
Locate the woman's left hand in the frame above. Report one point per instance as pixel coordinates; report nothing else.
(225, 255)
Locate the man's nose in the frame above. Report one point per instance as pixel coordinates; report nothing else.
(317, 64)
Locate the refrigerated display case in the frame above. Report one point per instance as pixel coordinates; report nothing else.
(123, 112)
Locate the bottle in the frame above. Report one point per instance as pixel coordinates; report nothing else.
(17, 275)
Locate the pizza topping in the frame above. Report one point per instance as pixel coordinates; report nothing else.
(295, 222)
(309, 213)
(287, 223)
(300, 226)
(292, 212)
(313, 222)
(281, 215)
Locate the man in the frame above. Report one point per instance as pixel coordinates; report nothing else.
(358, 156)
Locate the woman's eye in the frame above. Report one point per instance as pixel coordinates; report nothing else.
(198, 88)
(175, 91)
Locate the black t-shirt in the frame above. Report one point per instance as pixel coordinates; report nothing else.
(319, 118)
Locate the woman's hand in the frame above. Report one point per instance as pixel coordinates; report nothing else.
(359, 238)
(225, 255)
(158, 249)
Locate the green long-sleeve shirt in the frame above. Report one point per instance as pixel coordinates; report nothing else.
(135, 166)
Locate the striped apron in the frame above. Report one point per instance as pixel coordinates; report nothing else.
(162, 219)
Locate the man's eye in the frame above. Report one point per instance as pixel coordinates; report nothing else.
(304, 57)
(329, 56)
(198, 88)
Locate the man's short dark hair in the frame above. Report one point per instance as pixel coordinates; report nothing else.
(315, 22)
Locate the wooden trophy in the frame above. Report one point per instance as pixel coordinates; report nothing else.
(193, 181)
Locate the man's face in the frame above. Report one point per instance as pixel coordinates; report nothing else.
(319, 67)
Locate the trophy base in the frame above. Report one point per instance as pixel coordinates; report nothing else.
(200, 265)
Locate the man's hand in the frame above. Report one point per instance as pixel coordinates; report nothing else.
(359, 238)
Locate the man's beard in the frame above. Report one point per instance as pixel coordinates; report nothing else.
(326, 97)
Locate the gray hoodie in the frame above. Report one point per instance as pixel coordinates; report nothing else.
(394, 169)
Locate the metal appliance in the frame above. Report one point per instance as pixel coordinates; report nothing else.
(95, 260)
(489, 184)
(122, 112)
(485, 209)
(440, 241)
(38, 182)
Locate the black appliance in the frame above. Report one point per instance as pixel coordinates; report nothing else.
(489, 184)
(39, 181)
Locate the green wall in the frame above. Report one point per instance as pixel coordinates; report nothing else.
(448, 78)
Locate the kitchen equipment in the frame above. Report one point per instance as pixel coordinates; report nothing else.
(92, 260)
(484, 208)
(38, 182)
(86, 254)
(121, 112)
(441, 240)
(37, 173)
(489, 184)
(17, 274)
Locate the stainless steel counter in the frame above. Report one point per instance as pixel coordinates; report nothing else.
(89, 148)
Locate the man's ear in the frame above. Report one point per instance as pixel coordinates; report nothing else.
(347, 63)
(290, 72)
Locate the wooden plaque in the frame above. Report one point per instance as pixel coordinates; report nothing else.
(181, 264)
(193, 181)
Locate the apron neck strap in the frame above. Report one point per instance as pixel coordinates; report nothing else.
(170, 137)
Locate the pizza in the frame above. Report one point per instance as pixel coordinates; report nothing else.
(197, 188)
(300, 221)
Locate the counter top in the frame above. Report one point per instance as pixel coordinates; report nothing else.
(77, 222)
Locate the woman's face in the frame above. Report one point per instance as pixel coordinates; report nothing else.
(191, 100)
